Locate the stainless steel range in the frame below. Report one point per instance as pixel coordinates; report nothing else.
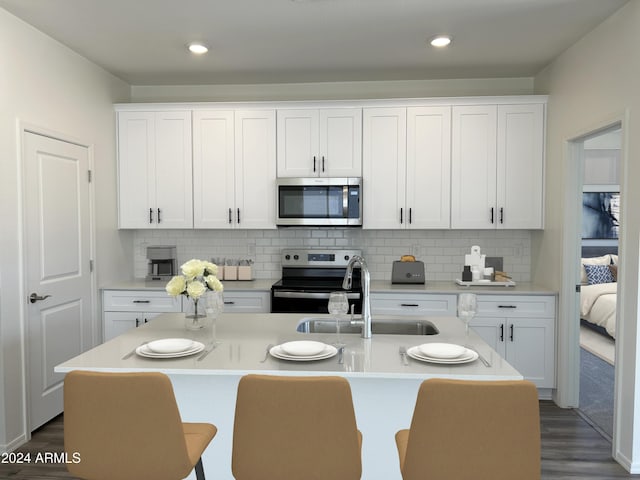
(309, 276)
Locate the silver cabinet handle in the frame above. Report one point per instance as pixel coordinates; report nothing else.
(34, 297)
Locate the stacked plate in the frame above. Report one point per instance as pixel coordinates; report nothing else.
(170, 348)
(445, 353)
(303, 351)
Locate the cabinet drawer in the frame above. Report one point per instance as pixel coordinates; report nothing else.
(140, 301)
(426, 304)
(247, 302)
(516, 306)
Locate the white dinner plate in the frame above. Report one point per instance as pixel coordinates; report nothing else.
(170, 345)
(467, 357)
(303, 348)
(328, 352)
(144, 351)
(441, 350)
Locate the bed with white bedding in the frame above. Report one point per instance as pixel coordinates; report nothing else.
(598, 292)
(598, 305)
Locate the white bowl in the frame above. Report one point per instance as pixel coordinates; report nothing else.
(170, 345)
(442, 350)
(303, 348)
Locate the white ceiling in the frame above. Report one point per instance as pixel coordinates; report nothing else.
(282, 41)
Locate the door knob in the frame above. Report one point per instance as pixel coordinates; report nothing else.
(34, 297)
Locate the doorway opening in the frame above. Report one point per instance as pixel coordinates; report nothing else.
(600, 160)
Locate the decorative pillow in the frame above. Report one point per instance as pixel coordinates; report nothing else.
(603, 260)
(614, 272)
(598, 274)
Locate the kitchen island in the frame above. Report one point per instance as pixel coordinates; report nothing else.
(384, 388)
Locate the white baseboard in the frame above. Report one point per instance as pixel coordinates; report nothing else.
(12, 445)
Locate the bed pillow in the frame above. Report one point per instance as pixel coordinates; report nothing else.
(603, 260)
(598, 274)
(614, 272)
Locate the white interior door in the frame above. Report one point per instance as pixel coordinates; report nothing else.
(57, 224)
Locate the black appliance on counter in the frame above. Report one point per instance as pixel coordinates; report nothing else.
(309, 276)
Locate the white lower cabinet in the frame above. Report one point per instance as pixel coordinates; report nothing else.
(413, 304)
(247, 302)
(521, 328)
(126, 309)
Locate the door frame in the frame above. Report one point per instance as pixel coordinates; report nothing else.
(24, 127)
(569, 339)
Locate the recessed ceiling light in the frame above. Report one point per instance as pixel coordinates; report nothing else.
(197, 48)
(440, 41)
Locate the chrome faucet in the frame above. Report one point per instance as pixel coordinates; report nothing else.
(366, 303)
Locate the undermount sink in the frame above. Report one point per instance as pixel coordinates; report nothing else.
(386, 326)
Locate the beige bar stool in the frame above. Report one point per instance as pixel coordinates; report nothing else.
(471, 430)
(295, 428)
(127, 426)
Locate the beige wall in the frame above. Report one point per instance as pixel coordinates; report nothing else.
(592, 84)
(46, 85)
(333, 90)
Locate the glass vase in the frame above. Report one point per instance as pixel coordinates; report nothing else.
(195, 317)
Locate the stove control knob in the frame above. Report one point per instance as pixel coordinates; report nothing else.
(296, 257)
(287, 257)
(346, 257)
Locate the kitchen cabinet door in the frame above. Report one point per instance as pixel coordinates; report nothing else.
(497, 174)
(213, 169)
(522, 330)
(473, 167)
(126, 309)
(428, 176)
(421, 304)
(255, 169)
(384, 147)
(340, 142)
(325, 142)
(247, 302)
(155, 170)
(520, 166)
(526, 343)
(235, 167)
(297, 144)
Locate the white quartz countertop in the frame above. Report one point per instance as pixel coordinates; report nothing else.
(377, 286)
(236, 285)
(241, 347)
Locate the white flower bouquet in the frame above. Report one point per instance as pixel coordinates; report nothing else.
(197, 278)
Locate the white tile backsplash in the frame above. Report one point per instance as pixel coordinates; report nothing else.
(442, 251)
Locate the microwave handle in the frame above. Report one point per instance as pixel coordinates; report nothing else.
(345, 201)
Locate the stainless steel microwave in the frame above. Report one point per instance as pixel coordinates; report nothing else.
(319, 201)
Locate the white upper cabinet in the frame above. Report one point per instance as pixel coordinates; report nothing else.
(520, 193)
(384, 152)
(234, 161)
(497, 167)
(154, 170)
(428, 167)
(406, 167)
(255, 163)
(325, 142)
(213, 169)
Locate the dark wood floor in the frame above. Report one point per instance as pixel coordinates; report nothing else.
(571, 449)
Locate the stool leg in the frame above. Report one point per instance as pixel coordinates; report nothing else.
(199, 470)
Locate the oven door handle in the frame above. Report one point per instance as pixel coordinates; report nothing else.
(310, 295)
